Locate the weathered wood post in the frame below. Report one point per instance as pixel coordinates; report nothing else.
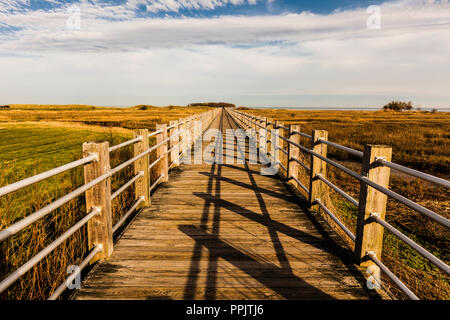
(294, 152)
(99, 196)
(369, 234)
(264, 135)
(174, 143)
(188, 133)
(281, 145)
(196, 128)
(318, 167)
(258, 137)
(142, 185)
(191, 129)
(162, 152)
(270, 127)
(182, 127)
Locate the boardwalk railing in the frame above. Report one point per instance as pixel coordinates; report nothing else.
(374, 190)
(172, 142)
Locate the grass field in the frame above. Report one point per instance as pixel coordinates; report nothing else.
(420, 141)
(36, 138)
(142, 116)
(28, 149)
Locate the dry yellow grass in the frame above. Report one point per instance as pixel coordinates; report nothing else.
(34, 139)
(134, 117)
(420, 141)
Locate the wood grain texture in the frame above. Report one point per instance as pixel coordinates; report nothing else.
(142, 187)
(369, 234)
(294, 152)
(223, 231)
(161, 151)
(317, 188)
(99, 227)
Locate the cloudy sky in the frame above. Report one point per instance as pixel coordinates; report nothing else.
(279, 53)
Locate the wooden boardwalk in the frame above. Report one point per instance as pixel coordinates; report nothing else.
(224, 231)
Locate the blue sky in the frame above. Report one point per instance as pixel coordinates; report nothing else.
(244, 8)
(279, 53)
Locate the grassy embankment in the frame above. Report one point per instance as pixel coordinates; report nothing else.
(420, 141)
(34, 139)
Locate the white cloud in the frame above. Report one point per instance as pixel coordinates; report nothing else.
(253, 60)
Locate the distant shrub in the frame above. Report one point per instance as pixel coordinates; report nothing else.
(5, 107)
(398, 106)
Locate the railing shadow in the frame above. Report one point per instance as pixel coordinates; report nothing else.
(255, 268)
(282, 280)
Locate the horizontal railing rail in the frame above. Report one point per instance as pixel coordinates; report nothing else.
(376, 160)
(97, 172)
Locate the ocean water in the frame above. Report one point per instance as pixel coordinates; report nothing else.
(344, 108)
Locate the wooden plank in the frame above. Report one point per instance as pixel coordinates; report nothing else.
(226, 232)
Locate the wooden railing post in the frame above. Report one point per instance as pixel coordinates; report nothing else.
(162, 152)
(270, 127)
(318, 167)
(282, 145)
(142, 185)
(191, 131)
(294, 152)
(100, 227)
(182, 128)
(369, 234)
(258, 137)
(174, 143)
(264, 135)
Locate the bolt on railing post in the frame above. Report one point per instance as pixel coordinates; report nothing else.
(369, 234)
(294, 152)
(99, 196)
(174, 143)
(142, 185)
(162, 152)
(318, 167)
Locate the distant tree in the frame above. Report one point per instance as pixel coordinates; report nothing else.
(212, 104)
(5, 107)
(398, 106)
(434, 110)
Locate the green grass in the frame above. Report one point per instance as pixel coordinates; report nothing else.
(26, 150)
